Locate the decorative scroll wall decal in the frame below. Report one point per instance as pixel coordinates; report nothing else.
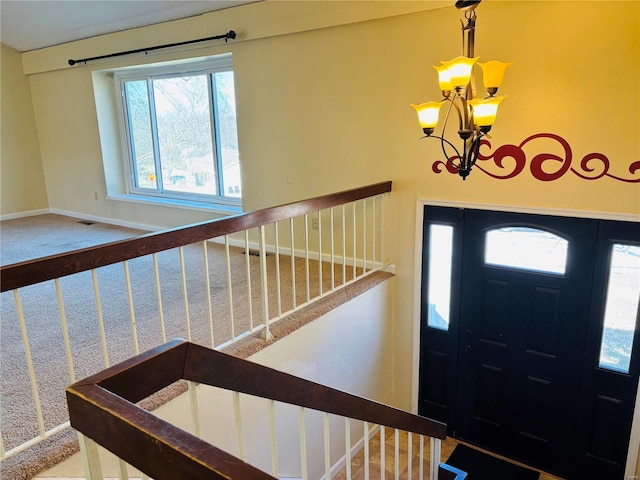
(512, 160)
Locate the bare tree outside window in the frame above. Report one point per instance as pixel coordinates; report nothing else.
(183, 135)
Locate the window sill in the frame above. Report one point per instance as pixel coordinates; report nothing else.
(175, 203)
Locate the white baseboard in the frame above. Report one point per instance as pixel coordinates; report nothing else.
(30, 213)
(108, 221)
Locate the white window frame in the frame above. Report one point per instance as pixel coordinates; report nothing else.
(212, 65)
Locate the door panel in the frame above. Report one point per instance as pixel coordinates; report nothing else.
(543, 324)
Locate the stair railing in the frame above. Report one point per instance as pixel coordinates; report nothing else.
(330, 242)
(103, 409)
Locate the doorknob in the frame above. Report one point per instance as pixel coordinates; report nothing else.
(469, 333)
(467, 348)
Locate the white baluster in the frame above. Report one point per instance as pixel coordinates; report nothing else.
(193, 402)
(396, 463)
(303, 444)
(27, 351)
(156, 271)
(278, 285)
(382, 257)
(306, 253)
(90, 458)
(421, 457)
(132, 314)
(122, 469)
(375, 214)
(228, 256)
(347, 444)
(364, 236)
(293, 264)
(366, 450)
(248, 268)
(184, 293)
(238, 418)
(435, 458)
(333, 253)
(65, 331)
(274, 438)
(409, 454)
(263, 283)
(208, 288)
(382, 455)
(327, 448)
(103, 336)
(320, 253)
(344, 245)
(355, 227)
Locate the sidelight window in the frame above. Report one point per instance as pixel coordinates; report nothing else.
(440, 266)
(621, 308)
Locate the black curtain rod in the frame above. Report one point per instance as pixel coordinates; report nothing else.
(229, 35)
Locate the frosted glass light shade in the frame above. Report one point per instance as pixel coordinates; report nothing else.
(460, 70)
(493, 73)
(485, 110)
(444, 78)
(428, 113)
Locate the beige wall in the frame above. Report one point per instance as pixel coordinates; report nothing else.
(324, 109)
(22, 188)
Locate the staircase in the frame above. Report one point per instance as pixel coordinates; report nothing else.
(103, 409)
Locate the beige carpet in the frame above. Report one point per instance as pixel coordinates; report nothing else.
(48, 234)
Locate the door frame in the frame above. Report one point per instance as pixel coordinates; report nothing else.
(634, 441)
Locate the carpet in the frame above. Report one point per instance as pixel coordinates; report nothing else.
(39, 236)
(480, 466)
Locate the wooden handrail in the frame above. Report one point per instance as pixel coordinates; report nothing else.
(55, 266)
(102, 408)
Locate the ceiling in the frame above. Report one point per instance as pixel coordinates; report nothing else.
(32, 24)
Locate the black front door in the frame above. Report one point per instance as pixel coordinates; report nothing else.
(515, 365)
(523, 325)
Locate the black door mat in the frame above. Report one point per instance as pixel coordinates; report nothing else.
(480, 466)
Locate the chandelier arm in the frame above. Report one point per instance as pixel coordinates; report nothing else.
(444, 150)
(458, 112)
(442, 144)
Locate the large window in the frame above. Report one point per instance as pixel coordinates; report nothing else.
(181, 132)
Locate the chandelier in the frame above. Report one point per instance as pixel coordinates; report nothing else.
(475, 115)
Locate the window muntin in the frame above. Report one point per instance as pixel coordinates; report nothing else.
(621, 308)
(526, 248)
(181, 132)
(439, 276)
